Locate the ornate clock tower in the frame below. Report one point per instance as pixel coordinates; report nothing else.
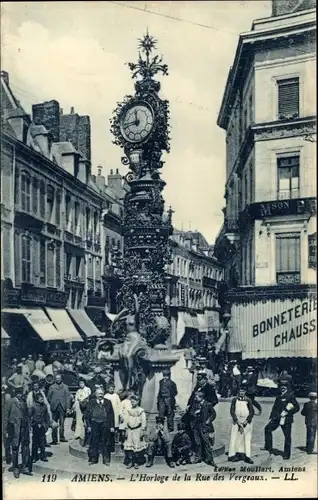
(140, 126)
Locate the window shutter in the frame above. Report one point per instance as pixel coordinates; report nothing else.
(35, 196)
(6, 252)
(50, 266)
(42, 263)
(58, 266)
(42, 200)
(17, 258)
(288, 98)
(35, 259)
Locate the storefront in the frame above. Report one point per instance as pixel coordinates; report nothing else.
(275, 335)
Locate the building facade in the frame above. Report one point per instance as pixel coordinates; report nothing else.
(268, 240)
(193, 277)
(52, 229)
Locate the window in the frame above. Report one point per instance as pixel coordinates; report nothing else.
(288, 258)
(26, 259)
(58, 267)
(68, 212)
(78, 267)
(288, 177)
(251, 110)
(50, 204)
(76, 216)
(288, 98)
(58, 208)
(25, 192)
(68, 264)
(35, 196)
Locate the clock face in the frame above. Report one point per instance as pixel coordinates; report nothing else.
(137, 122)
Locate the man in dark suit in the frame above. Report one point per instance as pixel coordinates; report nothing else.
(309, 411)
(200, 417)
(206, 388)
(18, 433)
(167, 399)
(282, 414)
(101, 425)
(59, 399)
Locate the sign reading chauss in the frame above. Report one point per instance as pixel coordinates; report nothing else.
(283, 328)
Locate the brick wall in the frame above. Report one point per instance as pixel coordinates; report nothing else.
(77, 130)
(48, 114)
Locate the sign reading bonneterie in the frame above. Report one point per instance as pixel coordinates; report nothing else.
(283, 328)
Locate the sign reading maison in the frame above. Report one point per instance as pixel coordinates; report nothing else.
(284, 207)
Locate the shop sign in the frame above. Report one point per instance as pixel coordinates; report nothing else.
(312, 251)
(284, 207)
(271, 329)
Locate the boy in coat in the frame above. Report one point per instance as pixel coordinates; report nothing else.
(309, 411)
(160, 442)
(40, 422)
(167, 399)
(101, 426)
(282, 415)
(181, 446)
(242, 413)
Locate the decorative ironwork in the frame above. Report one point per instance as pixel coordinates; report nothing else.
(148, 68)
(146, 226)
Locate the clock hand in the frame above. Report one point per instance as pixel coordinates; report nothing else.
(135, 122)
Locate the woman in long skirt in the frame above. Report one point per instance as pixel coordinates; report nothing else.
(242, 413)
(135, 444)
(80, 403)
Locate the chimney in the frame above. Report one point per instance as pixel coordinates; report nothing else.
(77, 129)
(5, 76)
(48, 114)
(100, 179)
(114, 181)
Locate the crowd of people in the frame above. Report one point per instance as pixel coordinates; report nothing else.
(104, 421)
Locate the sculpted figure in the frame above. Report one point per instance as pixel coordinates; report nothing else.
(131, 352)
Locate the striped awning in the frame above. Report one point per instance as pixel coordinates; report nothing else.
(39, 321)
(64, 325)
(85, 323)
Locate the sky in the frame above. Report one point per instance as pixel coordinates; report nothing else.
(76, 53)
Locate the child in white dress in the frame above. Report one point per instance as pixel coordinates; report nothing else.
(135, 444)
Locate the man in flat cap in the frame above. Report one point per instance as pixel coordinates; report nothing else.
(309, 411)
(167, 399)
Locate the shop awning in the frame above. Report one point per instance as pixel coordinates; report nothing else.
(39, 322)
(283, 328)
(64, 325)
(85, 323)
(4, 335)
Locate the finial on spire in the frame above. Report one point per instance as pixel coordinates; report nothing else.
(147, 68)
